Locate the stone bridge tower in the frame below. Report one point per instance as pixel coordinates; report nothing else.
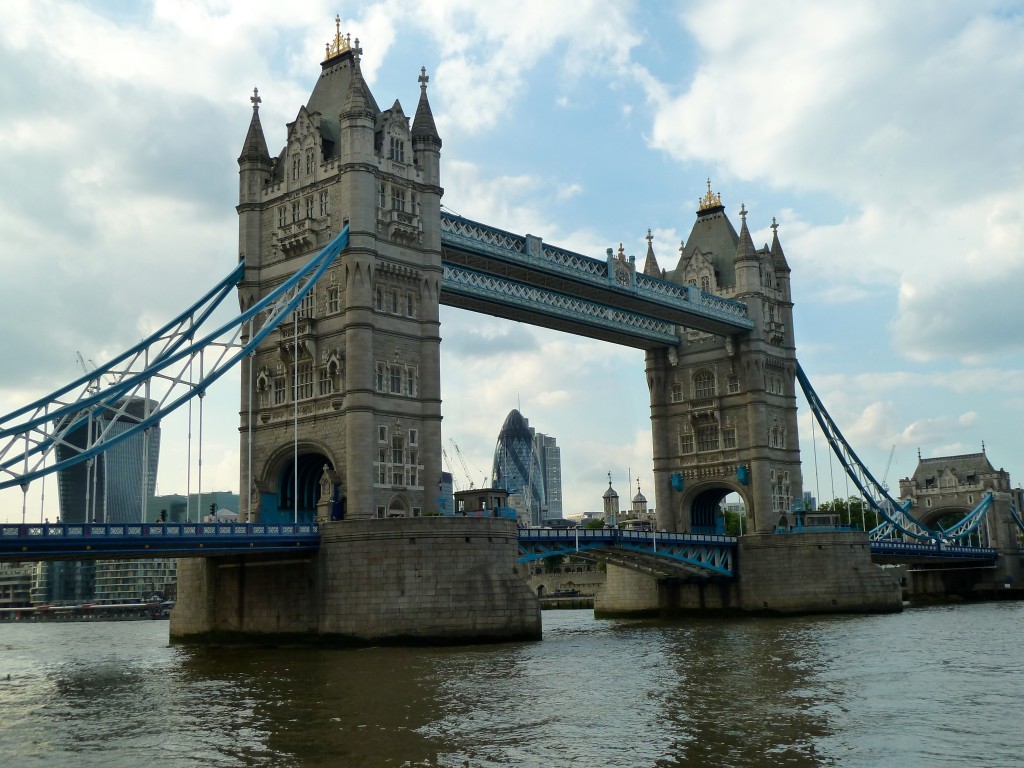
(723, 410)
(356, 385)
(943, 489)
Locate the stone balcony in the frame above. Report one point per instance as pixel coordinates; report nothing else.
(298, 237)
(399, 225)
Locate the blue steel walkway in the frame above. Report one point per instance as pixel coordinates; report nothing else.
(655, 552)
(98, 540)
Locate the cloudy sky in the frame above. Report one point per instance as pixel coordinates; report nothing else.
(884, 137)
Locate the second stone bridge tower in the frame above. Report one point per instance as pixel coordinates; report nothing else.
(723, 409)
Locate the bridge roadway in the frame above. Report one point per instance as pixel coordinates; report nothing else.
(657, 553)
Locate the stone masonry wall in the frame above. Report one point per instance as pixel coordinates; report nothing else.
(627, 593)
(399, 580)
(427, 579)
(813, 573)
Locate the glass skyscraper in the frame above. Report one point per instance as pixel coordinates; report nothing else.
(528, 463)
(115, 485)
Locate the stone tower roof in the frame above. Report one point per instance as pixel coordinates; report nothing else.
(651, 264)
(778, 257)
(962, 466)
(255, 145)
(423, 123)
(745, 248)
(714, 236)
(332, 94)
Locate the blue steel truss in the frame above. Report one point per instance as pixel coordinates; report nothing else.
(707, 556)
(146, 540)
(896, 516)
(169, 367)
(1016, 517)
(462, 281)
(675, 304)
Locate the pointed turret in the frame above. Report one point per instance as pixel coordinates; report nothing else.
(745, 250)
(254, 170)
(747, 261)
(423, 127)
(426, 144)
(651, 264)
(255, 146)
(358, 99)
(778, 257)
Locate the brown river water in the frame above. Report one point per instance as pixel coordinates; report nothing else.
(936, 687)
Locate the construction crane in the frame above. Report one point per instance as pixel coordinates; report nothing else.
(465, 469)
(451, 470)
(94, 385)
(887, 464)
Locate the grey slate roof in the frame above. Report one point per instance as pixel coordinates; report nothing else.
(330, 94)
(962, 466)
(712, 234)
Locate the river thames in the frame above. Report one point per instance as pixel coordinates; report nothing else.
(932, 687)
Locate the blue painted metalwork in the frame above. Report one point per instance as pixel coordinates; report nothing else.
(939, 550)
(1016, 517)
(710, 556)
(896, 514)
(541, 259)
(462, 281)
(29, 435)
(143, 540)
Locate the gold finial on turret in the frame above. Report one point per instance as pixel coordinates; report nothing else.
(710, 200)
(340, 44)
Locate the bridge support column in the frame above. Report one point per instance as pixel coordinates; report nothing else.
(426, 580)
(627, 593)
(814, 573)
(632, 594)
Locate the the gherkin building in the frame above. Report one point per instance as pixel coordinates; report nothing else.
(517, 466)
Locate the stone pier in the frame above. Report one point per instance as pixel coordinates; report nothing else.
(427, 580)
(776, 573)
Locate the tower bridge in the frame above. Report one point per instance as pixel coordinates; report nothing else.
(345, 257)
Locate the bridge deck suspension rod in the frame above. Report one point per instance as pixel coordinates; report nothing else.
(895, 513)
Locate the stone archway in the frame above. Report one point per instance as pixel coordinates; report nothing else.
(310, 470)
(702, 509)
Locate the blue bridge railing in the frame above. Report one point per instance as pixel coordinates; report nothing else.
(112, 540)
(939, 550)
(699, 554)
